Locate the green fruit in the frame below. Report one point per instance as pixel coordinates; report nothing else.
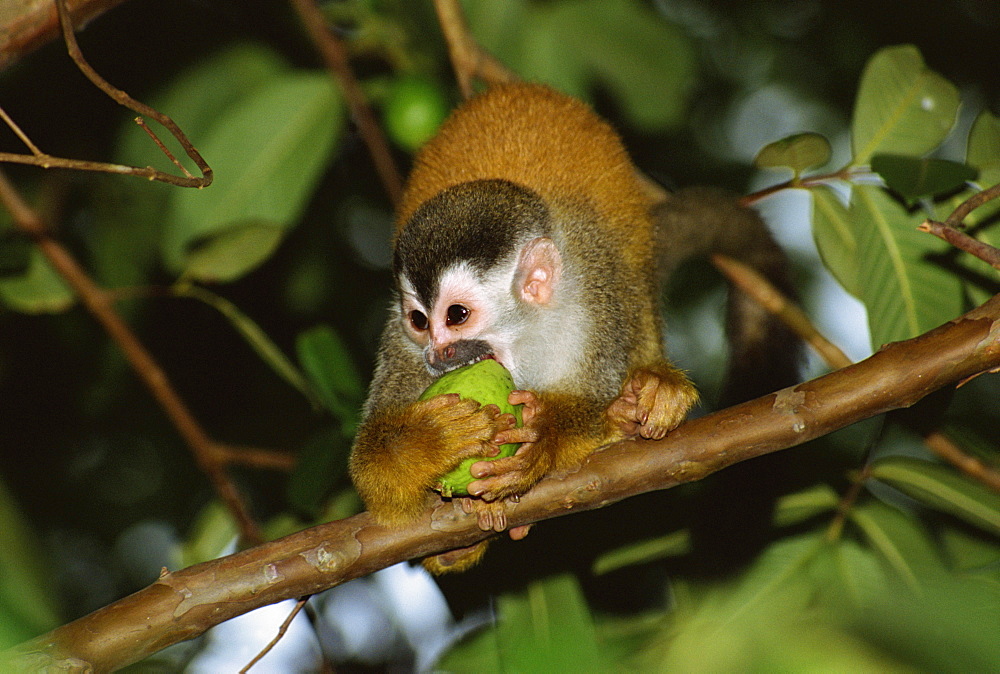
(488, 383)
(414, 110)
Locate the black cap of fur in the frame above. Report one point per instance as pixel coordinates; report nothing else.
(478, 222)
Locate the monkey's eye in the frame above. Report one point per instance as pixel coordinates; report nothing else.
(457, 314)
(418, 320)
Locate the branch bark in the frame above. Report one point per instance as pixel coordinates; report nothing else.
(183, 604)
(26, 25)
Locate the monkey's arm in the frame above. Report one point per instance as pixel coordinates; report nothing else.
(403, 445)
(561, 429)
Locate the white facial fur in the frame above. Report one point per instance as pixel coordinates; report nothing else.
(539, 343)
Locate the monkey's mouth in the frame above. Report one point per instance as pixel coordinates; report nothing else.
(460, 354)
(476, 359)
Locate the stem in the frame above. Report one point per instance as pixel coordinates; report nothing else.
(335, 56)
(101, 306)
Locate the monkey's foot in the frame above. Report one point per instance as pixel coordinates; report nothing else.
(653, 402)
(493, 516)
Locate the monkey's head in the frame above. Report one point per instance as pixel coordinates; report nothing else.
(474, 269)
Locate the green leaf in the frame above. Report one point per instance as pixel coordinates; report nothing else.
(40, 290)
(914, 177)
(27, 604)
(268, 151)
(129, 215)
(803, 505)
(643, 552)
(214, 529)
(232, 252)
(15, 251)
(971, 552)
(902, 106)
(833, 232)
(906, 294)
(800, 152)
(901, 542)
(329, 366)
(646, 62)
(548, 628)
(983, 150)
(951, 626)
(197, 97)
(941, 488)
(848, 572)
(724, 626)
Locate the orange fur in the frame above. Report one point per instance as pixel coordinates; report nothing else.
(546, 141)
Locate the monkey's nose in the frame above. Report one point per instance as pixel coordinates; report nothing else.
(445, 353)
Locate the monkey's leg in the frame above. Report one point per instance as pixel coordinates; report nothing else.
(654, 400)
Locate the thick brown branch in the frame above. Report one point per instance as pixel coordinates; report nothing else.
(184, 604)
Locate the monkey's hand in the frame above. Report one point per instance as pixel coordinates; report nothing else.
(399, 457)
(506, 479)
(654, 400)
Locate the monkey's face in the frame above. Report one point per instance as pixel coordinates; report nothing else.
(468, 319)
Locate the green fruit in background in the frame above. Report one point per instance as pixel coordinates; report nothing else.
(414, 109)
(488, 383)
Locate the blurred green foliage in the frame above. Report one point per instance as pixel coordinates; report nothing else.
(287, 255)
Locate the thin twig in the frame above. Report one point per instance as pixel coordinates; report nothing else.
(846, 503)
(468, 58)
(207, 452)
(962, 241)
(163, 148)
(794, 183)
(122, 98)
(47, 161)
(335, 57)
(763, 292)
(19, 133)
(257, 457)
(281, 632)
(972, 203)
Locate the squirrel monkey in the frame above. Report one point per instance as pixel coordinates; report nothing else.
(524, 234)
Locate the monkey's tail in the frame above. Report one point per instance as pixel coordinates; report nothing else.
(457, 560)
(764, 354)
(735, 506)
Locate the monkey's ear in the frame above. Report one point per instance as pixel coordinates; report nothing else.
(538, 271)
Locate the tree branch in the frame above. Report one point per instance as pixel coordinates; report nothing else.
(208, 454)
(184, 604)
(26, 25)
(335, 57)
(44, 160)
(468, 58)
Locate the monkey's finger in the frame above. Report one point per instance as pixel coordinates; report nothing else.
(523, 434)
(531, 405)
(505, 421)
(439, 401)
(468, 506)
